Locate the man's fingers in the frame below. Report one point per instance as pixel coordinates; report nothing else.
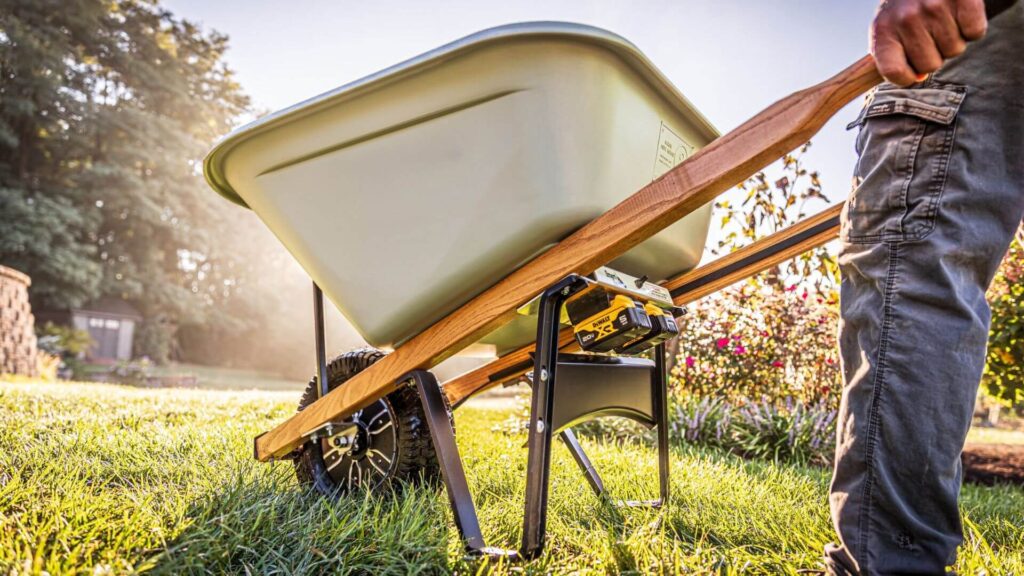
(944, 29)
(918, 43)
(970, 17)
(912, 38)
(892, 62)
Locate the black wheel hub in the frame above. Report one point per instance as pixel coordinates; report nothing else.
(367, 457)
(358, 445)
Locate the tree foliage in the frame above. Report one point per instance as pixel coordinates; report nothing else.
(106, 110)
(770, 206)
(44, 88)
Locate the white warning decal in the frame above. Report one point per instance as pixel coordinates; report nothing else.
(672, 150)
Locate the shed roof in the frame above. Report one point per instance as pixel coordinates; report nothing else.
(110, 306)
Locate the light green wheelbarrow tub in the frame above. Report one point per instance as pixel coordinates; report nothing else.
(406, 193)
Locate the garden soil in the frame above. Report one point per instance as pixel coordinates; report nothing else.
(990, 464)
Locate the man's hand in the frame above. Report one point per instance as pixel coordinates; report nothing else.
(912, 38)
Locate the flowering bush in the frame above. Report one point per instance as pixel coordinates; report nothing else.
(793, 432)
(751, 341)
(1004, 370)
(773, 335)
(772, 204)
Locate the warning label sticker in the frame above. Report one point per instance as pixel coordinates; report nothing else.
(672, 150)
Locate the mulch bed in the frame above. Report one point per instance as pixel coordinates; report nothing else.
(990, 464)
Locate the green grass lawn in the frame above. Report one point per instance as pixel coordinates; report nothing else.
(98, 479)
(980, 435)
(217, 378)
(210, 377)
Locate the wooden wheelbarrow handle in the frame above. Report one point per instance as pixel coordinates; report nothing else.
(723, 164)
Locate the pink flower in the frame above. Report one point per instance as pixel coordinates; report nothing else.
(739, 349)
(777, 364)
(690, 361)
(722, 343)
(791, 288)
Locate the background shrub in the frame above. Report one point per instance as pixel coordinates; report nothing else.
(66, 344)
(1004, 370)
(751, 341)
(787, 431)
(774, 335)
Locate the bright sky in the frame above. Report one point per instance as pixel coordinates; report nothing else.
(730, 57)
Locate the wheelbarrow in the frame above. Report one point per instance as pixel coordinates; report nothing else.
(541, 188)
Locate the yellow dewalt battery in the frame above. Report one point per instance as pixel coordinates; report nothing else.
(619, 321)
(663, 327)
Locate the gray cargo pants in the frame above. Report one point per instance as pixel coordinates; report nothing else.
(938, 194)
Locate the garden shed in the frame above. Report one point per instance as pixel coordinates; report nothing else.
(111, 323)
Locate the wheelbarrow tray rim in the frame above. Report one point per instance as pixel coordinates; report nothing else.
(580, 33)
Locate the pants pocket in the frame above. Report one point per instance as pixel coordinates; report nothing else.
(904, 145)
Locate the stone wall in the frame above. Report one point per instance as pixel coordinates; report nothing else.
(17, 325)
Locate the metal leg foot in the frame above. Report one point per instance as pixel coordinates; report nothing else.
(660, 397)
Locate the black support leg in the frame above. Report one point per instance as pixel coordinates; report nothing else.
(454, 476)
(659, 405)
(659, 395)
(541, 413)
(540, 434)
(318, 330)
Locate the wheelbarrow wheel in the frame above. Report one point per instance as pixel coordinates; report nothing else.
(392, 441)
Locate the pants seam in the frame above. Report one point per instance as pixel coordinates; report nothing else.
(904, 195)
(874, 417)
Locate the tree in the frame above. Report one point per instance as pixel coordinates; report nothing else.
(165, 97)
(44, 81)
(107, 109)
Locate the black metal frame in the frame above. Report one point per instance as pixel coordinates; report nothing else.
(452, 473)
(759, 256)
(651, 410)
(545, 364)
(543, 422)
(321, 348)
